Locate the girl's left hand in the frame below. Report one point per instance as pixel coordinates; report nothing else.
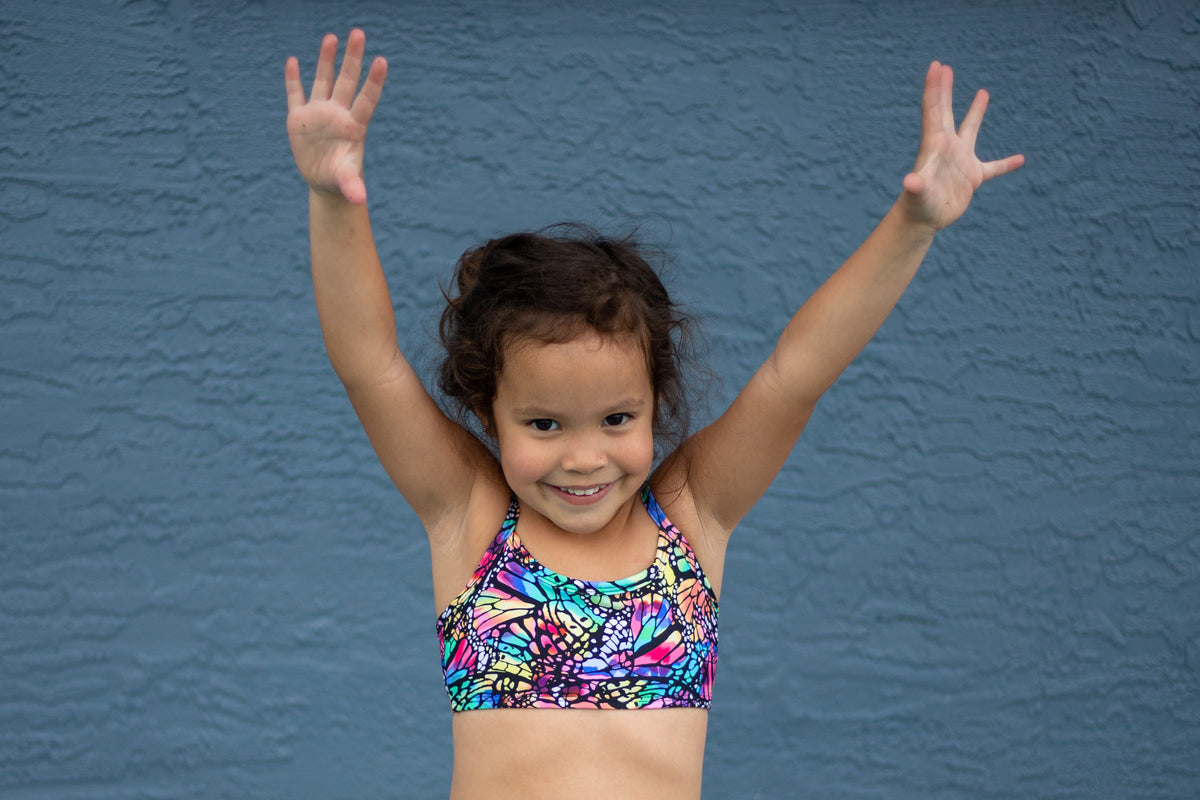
(947, 171)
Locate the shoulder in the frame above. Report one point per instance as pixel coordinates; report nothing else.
(482, 509)
(458, 540)
(704, 535)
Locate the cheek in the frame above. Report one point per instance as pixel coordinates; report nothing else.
(521, 463)
(639, 453)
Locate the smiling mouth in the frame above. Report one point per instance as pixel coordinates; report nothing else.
(581, 492)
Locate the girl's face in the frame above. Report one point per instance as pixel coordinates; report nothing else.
(575, 426)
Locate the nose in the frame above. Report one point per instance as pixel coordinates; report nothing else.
(583, 455)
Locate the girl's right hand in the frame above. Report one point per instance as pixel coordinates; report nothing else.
(328, 130)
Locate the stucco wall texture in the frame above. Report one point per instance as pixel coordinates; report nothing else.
(979, 574)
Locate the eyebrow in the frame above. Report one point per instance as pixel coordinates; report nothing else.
(538, 412)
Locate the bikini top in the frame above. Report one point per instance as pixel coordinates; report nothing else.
(523, 636)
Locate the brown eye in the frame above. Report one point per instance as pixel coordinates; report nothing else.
(616, 419)
(543, 425)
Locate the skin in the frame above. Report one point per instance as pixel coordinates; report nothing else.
(574, 425)
(460, 491)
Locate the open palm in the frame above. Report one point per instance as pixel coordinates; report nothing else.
(947, 171)
(328, 130)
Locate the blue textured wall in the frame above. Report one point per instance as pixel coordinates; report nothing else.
(979, 575)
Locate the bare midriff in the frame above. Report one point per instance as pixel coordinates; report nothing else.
(531, 754)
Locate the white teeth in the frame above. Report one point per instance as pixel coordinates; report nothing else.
(581, 492)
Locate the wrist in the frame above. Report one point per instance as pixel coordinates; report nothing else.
(327, 200)
(913, 225)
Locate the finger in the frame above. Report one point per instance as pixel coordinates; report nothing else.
(1003, 166)
(930, 101)
(367, 100)
(969, 129)
(291, 82)
(347, 80)
(947, 98)
(323, 80)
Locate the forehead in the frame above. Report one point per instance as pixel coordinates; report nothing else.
(589, 370)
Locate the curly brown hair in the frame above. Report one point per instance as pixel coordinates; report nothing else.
(549, 286)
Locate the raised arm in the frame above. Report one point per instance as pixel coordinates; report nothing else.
(429, 457)
(732, 462)
(327, 134)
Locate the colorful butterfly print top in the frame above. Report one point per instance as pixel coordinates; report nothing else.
(523, 636)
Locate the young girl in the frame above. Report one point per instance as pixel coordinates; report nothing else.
(577, 581)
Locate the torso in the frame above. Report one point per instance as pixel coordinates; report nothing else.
(533, 753)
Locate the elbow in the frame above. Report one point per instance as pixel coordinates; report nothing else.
(794, 385)
(366, 371)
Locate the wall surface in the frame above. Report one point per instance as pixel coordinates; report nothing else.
(979, 574)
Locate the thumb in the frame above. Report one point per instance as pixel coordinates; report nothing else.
(914, 183)
(351, 185)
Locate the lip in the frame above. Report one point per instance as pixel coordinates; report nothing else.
(577, 500)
